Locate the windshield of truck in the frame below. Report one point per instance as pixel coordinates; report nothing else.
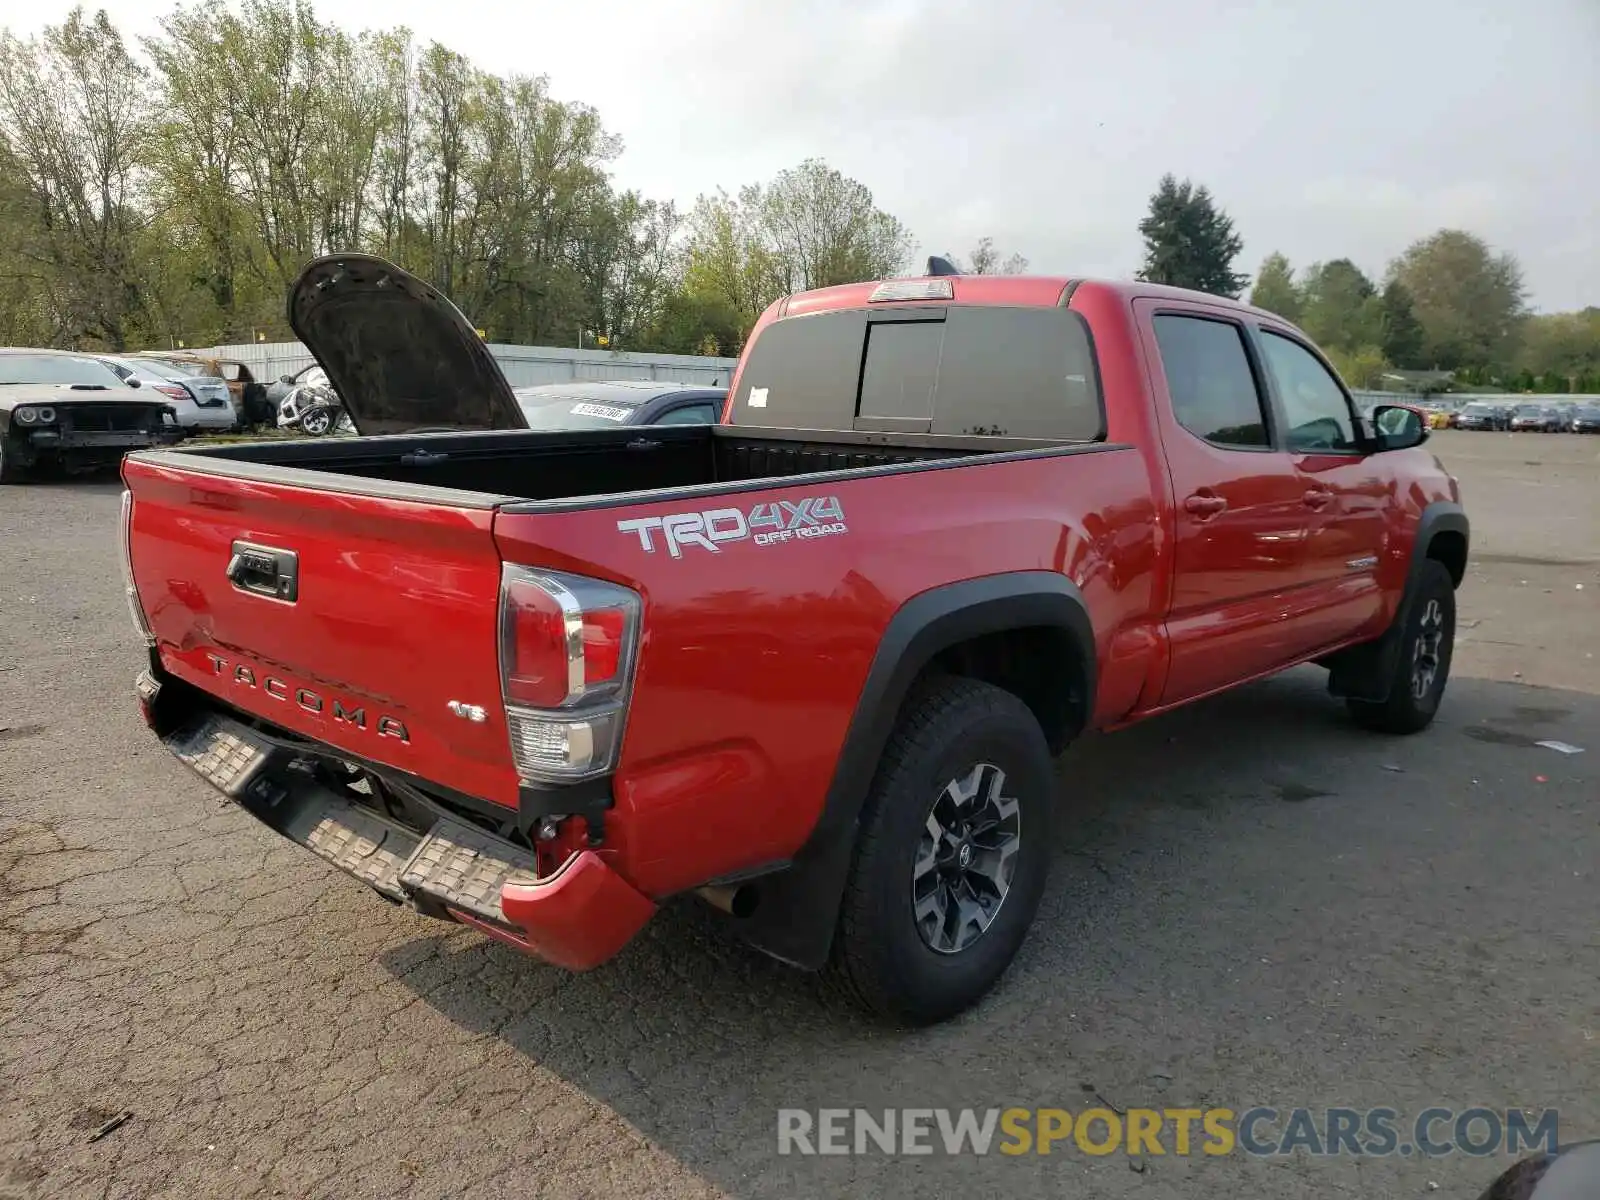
(567, 411)
(56, 368)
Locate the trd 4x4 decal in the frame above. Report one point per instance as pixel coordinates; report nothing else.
(766, 524)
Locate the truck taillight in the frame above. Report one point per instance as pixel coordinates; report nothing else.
(130, 589)
(567, 646)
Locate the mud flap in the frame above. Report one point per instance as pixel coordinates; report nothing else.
(1366, 672)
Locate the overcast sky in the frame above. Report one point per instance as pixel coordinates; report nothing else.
(1325, 129)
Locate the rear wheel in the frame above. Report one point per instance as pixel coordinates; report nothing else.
(954, 847)
(1423, 665)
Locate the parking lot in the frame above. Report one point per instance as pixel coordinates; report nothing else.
(1254, 903)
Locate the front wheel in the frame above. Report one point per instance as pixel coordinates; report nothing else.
(955, 844)
(1423, 665)
(317, 422)
(10, 471)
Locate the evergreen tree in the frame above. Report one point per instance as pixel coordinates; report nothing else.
(1190, 242)
(1402, 332)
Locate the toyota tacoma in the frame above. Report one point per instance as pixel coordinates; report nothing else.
(811, 663)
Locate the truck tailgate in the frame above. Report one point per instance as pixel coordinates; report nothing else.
(390, 615)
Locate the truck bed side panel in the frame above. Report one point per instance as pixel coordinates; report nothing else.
(755, 654)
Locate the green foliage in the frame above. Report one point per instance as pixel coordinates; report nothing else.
(1275, 288)
(172, 198)
(1340, 308)
(1468, 299)
(1403, 335)
(1189, 241)
(75, 112)
(1563, 346)
(811, 227)
(1361, 367)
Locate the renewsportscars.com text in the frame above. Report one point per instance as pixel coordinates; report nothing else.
(1182, 1132)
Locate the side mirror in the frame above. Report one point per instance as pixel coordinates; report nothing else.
(1398, 428)
(285, 378)
(135, 381)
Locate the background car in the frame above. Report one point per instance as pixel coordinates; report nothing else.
(278, 390)
(312, 406)
(1480, 414)
(202, 403)
(620, 402)
(1534, 418)
(1584, 418)
(249, 397)
(72, 410)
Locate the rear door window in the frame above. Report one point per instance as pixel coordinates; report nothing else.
(1019, 372)
(1213, 390)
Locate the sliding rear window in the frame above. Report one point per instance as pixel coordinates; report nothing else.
(998, 371)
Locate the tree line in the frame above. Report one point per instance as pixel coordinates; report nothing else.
(1447, 306)
(168, 191)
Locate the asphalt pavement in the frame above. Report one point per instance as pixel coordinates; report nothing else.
(1254, 903)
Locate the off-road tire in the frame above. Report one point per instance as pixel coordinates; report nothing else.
(1411, 706)
(947, 728)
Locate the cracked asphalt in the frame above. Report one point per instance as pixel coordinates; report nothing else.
(1253, 903)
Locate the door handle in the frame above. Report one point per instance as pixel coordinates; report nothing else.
(1204, 506)
(265, 571)
(1317, 497)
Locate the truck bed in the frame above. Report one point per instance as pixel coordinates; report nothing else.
(486, 469)
(397, 547)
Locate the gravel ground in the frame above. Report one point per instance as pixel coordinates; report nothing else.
(1254, 903)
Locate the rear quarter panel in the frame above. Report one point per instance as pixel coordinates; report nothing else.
(753, 656)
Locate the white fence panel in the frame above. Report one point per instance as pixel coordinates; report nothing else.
(523, 365)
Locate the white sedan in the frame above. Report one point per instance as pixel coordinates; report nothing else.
(202, 404)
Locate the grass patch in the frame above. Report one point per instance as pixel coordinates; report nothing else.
(225, 439)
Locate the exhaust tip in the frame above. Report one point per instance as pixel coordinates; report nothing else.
(739, 901)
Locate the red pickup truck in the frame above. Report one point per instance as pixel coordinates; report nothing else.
(812, 663)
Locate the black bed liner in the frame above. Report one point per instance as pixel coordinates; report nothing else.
(544, 471)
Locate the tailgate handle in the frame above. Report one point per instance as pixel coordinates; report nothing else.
(265, 571)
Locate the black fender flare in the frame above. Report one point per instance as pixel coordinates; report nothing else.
(1365, 672)
(1441, 516)
(798, 904)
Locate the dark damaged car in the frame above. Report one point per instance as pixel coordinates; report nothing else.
(63, 410)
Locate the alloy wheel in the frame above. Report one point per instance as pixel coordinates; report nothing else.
(966, 859)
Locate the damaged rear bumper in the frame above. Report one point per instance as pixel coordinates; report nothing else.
(577, 917)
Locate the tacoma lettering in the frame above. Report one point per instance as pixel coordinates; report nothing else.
(384, 726)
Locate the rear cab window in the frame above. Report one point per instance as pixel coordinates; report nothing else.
(961, 370)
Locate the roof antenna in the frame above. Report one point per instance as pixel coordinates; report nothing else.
(942, 266)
